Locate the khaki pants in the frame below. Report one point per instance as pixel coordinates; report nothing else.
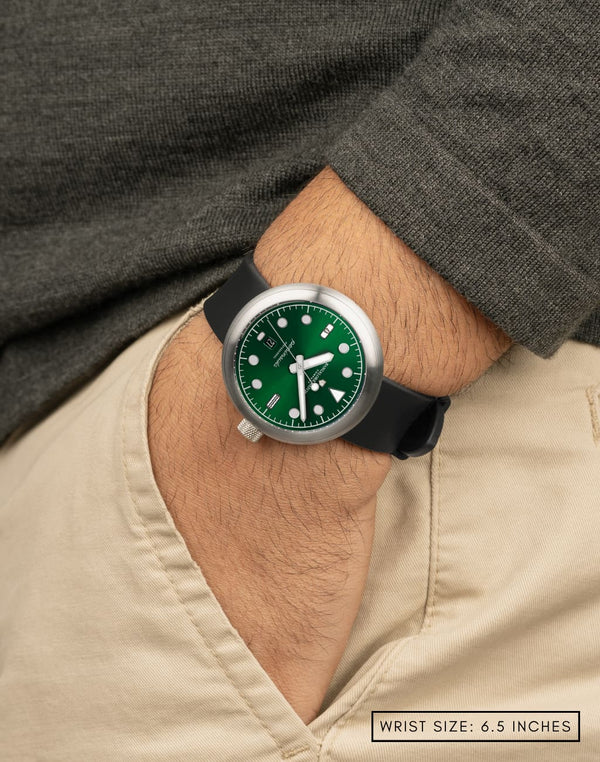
(483, 592)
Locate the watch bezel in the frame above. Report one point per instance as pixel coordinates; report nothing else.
(347, 309)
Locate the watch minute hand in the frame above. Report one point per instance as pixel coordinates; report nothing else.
(312, 362)
(301, 387)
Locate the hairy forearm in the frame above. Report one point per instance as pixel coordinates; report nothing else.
(433, 339)
(283, 533)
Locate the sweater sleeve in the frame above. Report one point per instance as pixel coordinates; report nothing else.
(484, 158)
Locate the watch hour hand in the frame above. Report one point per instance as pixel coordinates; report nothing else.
(312, 362)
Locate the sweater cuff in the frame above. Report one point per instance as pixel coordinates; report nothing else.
(396, 162)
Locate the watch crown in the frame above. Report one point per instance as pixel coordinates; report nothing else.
(248, 430)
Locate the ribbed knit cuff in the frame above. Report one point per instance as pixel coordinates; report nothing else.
(397, 164)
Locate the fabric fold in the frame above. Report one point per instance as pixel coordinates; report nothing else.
(479, 158)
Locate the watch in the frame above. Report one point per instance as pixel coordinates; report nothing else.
(303, 364)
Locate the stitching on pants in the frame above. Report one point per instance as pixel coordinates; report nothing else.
(368, 691)
(433, 539)
(593, 396)
(294, 752)
(175, 590)
(384, 667)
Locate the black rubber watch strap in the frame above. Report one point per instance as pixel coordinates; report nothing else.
(245, 283)
(402, 422)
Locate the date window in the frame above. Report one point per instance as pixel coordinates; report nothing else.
(269, 342)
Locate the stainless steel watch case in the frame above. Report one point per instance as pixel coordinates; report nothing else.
(345, 307)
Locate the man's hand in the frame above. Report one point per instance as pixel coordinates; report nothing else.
(283, 533)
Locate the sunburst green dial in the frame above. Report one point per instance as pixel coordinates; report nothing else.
(300, 365)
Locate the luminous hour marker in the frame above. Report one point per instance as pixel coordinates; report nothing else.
(273, 401)
(256, 383)
(337, 394)
(321, 382)
(326, 331)
(260, 336)
(253, 360)
(294, 412)
(318, 409)
(343, 348)
(347, 372)
(282, 322)
(306, 319)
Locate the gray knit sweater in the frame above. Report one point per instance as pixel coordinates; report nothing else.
(146, 146)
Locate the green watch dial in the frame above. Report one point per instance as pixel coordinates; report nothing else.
(300, 365)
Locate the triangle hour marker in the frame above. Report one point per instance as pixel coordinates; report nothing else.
(337, 394)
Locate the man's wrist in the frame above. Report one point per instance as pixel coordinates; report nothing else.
(434, 341)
